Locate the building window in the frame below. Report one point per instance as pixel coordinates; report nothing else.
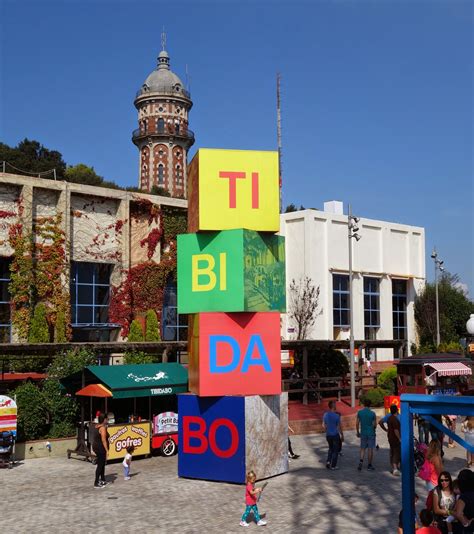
(174, 325)
(5, 320)
(161, 174)
(371, 302)
(340, 299)
(90, 294)
(160, 123)
(399, 307)
(179, 175)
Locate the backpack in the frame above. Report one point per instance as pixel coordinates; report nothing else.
(430, 500)
(425, 471)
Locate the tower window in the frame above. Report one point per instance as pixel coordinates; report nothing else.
(160, 125)
(161, 174)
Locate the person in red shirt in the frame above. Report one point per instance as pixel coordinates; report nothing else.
(426, 518)
(251, 498)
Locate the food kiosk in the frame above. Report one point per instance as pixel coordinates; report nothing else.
(437, 374)
(142, 403)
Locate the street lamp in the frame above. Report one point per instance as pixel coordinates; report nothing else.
(352, 230)
(438, 266)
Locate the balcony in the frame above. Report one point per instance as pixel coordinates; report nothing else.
(168, 130)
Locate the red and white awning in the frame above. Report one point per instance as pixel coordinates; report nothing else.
(450, 368)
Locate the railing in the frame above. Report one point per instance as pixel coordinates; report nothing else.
(146, 92)
(168, 130)
(328, 384)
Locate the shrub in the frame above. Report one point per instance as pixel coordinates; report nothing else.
(60, 328)
(136, 356)
(453, 346)
(62, 409)
(136, 333)
(152, 331)
(375, 396)
(39, 329)
(32, 414)
(386, 380)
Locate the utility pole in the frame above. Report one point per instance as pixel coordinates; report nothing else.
(438, 264)
(352, 230)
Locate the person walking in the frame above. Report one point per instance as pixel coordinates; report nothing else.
(468, 429)
(366, 423)
(394, 440)
(251, 498)
(334, 435)
(100, 446)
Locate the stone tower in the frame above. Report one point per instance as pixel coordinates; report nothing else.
(163, 137)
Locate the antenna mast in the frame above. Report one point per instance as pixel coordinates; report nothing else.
(279, 134)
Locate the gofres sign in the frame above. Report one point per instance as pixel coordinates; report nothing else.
(128, 435)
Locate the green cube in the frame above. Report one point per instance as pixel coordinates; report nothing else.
(231, 271)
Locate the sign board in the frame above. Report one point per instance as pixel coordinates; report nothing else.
(8, 414)
(126, 435)
(231, 271)
(233, 189)
(212, 438)
(234, 354)
(165, 422)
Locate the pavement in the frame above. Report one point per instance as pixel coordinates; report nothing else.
(52, 495)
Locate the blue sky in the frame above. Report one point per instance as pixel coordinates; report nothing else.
(377, 96)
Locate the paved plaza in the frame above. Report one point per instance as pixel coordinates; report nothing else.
(56, 495)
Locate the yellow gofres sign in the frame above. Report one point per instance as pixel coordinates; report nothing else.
(231, 189)
(126, 435)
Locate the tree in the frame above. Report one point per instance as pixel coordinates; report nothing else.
(82, 174)
(33, 157)
(152, 331)
(39, 329)
(136, 333)
(454, 310)
(161, 191)
(303, 306)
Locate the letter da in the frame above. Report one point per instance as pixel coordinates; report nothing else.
(214, 366)
(256, 343)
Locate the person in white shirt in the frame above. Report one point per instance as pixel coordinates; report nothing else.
(127, 462)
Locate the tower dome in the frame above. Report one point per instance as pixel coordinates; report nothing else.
(163, 137)
(163, 79)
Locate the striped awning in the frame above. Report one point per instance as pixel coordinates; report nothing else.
(450, 368)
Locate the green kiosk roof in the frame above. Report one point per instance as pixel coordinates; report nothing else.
(139, 380)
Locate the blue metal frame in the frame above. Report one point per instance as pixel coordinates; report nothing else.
(425, 405)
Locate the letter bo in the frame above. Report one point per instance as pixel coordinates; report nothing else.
(233, 189)
(231, 271)
(222, 438)
(234, 354)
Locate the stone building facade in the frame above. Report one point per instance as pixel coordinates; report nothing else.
(81, 242)
(163, 137)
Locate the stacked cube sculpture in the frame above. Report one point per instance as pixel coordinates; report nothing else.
(231, 279)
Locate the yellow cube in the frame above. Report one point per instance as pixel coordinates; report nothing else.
(230, 189)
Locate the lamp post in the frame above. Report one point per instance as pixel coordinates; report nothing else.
(352, 230)
(438, 264)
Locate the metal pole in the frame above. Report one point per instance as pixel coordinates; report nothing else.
(351, 318)
(438, 340)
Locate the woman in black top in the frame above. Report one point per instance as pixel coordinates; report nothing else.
(101, 448)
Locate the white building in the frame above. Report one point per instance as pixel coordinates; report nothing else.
(388, 267)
